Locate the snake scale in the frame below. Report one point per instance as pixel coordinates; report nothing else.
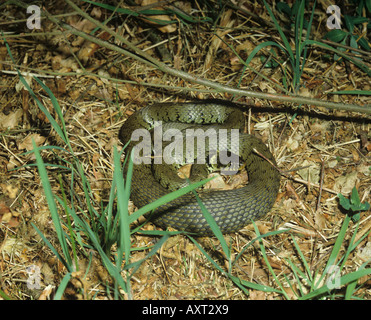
(231, 209)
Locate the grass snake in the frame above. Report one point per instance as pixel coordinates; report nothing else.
(231, 209)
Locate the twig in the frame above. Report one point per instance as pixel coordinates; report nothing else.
(27, 74)
(143, 57)
(312, 184)
(321, 184)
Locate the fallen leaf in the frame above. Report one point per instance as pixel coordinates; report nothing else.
(3, 208)
(11, 120)
(11, 191)
(45, 295)
(184, 171)
(311, 173)
(345, 184)
(216, 183)
(27, 142)
(365, 253)
(169, 28)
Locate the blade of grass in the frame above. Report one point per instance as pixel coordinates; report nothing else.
(336, 248)
(69, 225)
(62, 286)
(352, 285)
(268, 234)
(135, 265)
(264, 254)
(111, 268)
(251, 285)
(215, 229)
(52, 205)
(124, 242)
(348, 278)
(243, 284)
(4, 295)
(61, 259)
(356, 61)
(307, 274)
(122, 206)
(282, 34)
(52, 121)
(165, 199)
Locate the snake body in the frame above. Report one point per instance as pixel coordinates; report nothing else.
(231, 209)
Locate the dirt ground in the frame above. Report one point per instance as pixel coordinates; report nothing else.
(321, 152)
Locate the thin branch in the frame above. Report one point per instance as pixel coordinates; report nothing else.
(145, 58)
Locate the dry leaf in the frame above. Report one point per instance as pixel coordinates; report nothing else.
(216, 183)
(185, 171)
(11, 191)
(345, 184)
(96, 12)
(6, 217)
(11, 120)
(86, 51)
(365, 253)
(13, 163)
(311, 173)
(3, 208)
(27, 142)
(45, 295)
(320, 219)
(19, 86)
(304, 92)
(169, 28)
(225, 22)
(292, 144)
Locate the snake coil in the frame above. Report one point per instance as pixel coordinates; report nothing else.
(231, 209)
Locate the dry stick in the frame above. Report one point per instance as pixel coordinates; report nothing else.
(290, 176)
(321, 185)
(147, 59)
(306, 182)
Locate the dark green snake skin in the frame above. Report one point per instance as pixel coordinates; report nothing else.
(231, 209)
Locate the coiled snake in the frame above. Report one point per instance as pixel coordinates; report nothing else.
(231, 209)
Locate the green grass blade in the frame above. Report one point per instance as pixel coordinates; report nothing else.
(52, 205)
(69, 225)
(111, 268)
(122, 207)
(356, 92)
(252, 285)
(352, 285)
(264, 254)
(61, 259)
(260, 47)
(268, 234)
(4, 295)
(135, 265)
(62, 286)
(356, 61)
(208, 257)
(336, 248)
(348, 278)
(215, 228)
(165, 199)
(308, 275)
(52, 165)
(282, 34)
(52, 121)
